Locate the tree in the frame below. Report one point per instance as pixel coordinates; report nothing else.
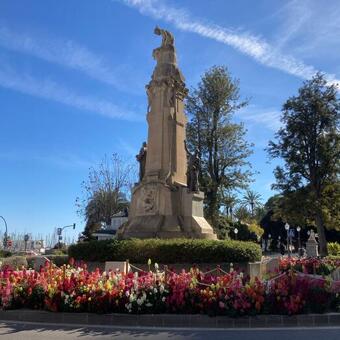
(229, 202)
(105, 192)
(242, 214)
(309, 145)
(221, 144)
(252, 200)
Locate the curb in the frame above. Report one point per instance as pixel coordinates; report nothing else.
(172, 320)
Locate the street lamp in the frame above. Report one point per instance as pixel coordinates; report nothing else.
(5, 235)
(269, 242)
(299, 241)
(26, 238)
(236, 231)
(60, 231)
(288, 241)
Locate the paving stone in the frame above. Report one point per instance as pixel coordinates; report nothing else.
(305, 320)
(150, 320)
(242, 322)
(124, 320)
(176, 320)
(99, 319)
(334, 319)
(225, 322)
(258, 321)
(320, 320)
(290, 321)
(76, 318)
(202, 321)
(273, 320)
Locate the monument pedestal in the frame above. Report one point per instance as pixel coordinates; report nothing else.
(163, 211)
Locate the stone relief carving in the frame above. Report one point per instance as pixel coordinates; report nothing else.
(149, 199)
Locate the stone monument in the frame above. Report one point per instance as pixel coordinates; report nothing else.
(166, 202)
(312, 246)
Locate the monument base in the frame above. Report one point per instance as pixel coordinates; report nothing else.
(161, 211)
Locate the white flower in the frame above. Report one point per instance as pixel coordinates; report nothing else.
(148, 304)
(156, 266)
(139, 302)
(155, 290)
(163, 298)
(127, 293)
(161, 288)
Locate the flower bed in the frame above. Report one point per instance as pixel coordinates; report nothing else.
(314, 266)
(74, 289)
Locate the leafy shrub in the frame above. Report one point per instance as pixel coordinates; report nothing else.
(58, 260)
(333, 249)
(166, 251)
(5, 253)
(14, 262)
(224, 228)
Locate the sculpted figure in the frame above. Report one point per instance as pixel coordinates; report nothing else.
(141, 158)
(193, 170)
(167, 37)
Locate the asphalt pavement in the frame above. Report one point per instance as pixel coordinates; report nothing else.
(35, 331)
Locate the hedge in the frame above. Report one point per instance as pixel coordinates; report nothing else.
(166, 251)
(333, 248)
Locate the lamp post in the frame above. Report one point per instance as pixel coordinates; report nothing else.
(288, 241)
(299, 241)
(269, 242)
(236, 231)
(60, 231)
(5, 235)
(26, 238)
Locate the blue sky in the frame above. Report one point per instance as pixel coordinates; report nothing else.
(72, 77)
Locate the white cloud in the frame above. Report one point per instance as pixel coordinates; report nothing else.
(310, 27)
(266, 118)
(52, 91)
(248, 44)
(63, 52)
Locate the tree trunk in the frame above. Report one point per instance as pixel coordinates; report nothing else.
(212, 209)
(321, 233)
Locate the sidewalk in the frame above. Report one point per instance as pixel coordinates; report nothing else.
(172, 320)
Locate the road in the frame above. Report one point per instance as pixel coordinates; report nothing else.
(34, 331)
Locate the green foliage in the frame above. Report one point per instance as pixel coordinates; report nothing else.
(105, 192)
(5, 253)
(309, 145)
(221, 143)
(15, 262)
(58, 260)
(166, 251)
(251, 200)
(246, 231)
(333, 249)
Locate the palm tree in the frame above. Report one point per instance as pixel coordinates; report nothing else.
(251, 199)
(229, 201)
